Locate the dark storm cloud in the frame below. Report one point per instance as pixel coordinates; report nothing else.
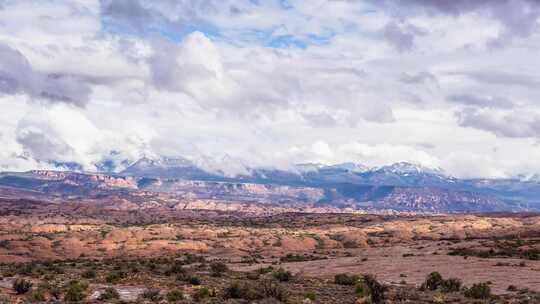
(18, 77)
(518, 17)
(480, 101)
(514, 124)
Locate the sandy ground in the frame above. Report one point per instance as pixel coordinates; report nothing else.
(390, 266)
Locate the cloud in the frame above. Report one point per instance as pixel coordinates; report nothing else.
(416, 78)
(517, 18)
(18, 77)
(194, 67)
(320, 120)
(401, 37)
(262, 81)
(480, 101)
(514, 123)
(264, 84)
(128, 14)
(500, 78)
(39, 144)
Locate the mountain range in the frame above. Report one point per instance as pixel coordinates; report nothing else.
(402, 187)
(402, 174)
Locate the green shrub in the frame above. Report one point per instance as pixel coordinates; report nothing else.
(76, 291)
(25, 269)
(241, 291)
(478, 291)
(282, 275)
(175, 268)
(175, 295)
(217, 269)
(37, 295)
(22, 286)
(310, 295)
(109, 293)
(191, 279)
(115, 276)
(345, 279)
(202, 293)
(265, 270)
(451, 285)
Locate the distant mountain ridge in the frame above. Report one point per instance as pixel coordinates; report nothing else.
(346, 175)
(401, 186)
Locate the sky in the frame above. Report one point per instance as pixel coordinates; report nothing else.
(271, 83)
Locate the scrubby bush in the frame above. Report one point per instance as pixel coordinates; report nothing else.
(115, 276)
(282, 275)
(108, 294)
(405, 295)
(218, 268)
(202, 293)
(478, 291)
(373, 289)
(253, 275)
(152, 295)
(239, 290)
(310, 295)
(272, 289)
(89, 274)
(175, 295)
(192, 258)
(76, 291)
(56, 292)
(4, 244)
(345, 279)
(451, 285)
(25, 269)
(191, 279)
(433, 281)
(37, 295)
(22, 286)
(176, 268)
(265, 270)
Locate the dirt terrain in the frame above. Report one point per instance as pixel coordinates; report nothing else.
(399, 250)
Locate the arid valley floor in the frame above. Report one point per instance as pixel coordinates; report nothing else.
(224, 257)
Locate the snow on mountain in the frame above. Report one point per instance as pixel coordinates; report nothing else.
(308, 167)
(530, 177)
(227, 166)
(349, 166)
(405, 168)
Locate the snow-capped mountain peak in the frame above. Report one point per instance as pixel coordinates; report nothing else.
(162, 162)
(404, 168)
(350, 166)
